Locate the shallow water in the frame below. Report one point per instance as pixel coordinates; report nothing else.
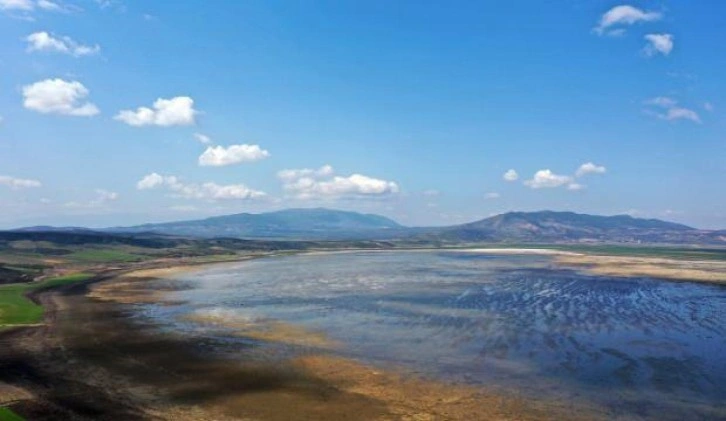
(640, 348)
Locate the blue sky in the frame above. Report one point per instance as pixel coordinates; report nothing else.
(121, 112)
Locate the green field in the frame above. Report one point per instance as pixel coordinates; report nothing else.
(17, 309)
(666, 252)
(8, 415)
(103, 256)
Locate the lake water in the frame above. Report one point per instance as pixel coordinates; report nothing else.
(640, 348)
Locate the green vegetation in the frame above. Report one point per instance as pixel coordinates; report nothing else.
(103, 256)
(17, 309)
(6, 414)
(666, 252)
(693, 253)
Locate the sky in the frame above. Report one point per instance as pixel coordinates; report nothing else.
(119, 112)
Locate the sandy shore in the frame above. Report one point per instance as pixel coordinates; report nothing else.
(92, 361)
(518, 251)
(673, 269)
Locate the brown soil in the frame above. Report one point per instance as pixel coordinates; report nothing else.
(682, 270)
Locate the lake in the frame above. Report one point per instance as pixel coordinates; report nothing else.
(640, 348)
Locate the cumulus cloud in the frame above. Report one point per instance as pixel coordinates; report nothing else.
(666, 108)
(292, 175)
(510, 175)
(207, 191)
(18, 183)
(320, 183)
(658, 44)
(57, 96)
(623, 15)
(177, 111)
(590, 168)
(45, 42)
(547, 179)
(218, 156)
(543, 179)
(202, 138)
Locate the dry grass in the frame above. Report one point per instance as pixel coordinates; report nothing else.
(684, 270)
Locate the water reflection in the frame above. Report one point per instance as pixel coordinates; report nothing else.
(656, 348)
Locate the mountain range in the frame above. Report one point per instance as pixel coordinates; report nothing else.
(512, 227)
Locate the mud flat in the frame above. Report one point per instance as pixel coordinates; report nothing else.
(94, 359)
(519, 251)
(674, 269)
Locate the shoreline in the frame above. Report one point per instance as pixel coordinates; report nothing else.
(96, 358)
(91, 357)
(667, 270)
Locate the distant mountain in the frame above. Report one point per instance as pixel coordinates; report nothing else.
(549, 226)
(48, 228)
(328, 224)
(318, 223)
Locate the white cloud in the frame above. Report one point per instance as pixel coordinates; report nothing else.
(105, 195)
(292, 175)
(58, 96)
(670, 110)
(431, 193)
(658, 43)
(18, 183)
(492, 195)
(177, 111)
(679, 113)
(49, 5)
(103, 4)
(706, 106)
(590, 168)
(575, 186)
(26, 7)
(511, 175)
(624, 15)
(150, 181)
(662, 101)
(208, 190)
(202, 138)
(43, 41)
(217, 156)
(547, 179)
(319, 183)
(102, 198)
(21, 5)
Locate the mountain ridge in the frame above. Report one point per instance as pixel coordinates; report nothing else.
(525, 227)
(286, 223)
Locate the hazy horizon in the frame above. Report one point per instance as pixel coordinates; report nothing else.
(122, 112)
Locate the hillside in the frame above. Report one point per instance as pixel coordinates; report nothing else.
(318, 223)
(326, 224)
(549, 226)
